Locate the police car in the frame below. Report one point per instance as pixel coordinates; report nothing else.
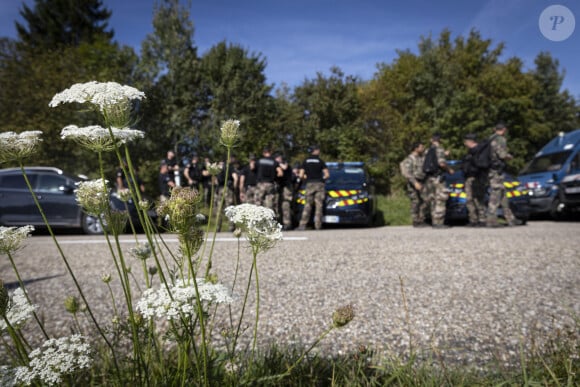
(350, 196)
(516, 192)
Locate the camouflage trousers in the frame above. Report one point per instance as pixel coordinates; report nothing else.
(250, 194)
(497, 198)
(436, 198)
(266, 196)
(418, 205)
(285, 199)
(475, 196)
(314, 196)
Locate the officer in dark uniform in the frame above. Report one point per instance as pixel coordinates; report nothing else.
(249, 181)
(315, 172)
(268, 170)
(193, 172)
(166, 182)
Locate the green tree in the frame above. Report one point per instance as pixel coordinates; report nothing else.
(331, 109)
(236, 87)
(32, 71)
(558, 111)
(458, 86)
(62, 22)
(170, 76)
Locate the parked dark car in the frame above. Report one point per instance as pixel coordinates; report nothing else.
(350, 196)
(55, 191)
(517, 194)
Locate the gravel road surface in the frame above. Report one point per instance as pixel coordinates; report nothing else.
(466, 295)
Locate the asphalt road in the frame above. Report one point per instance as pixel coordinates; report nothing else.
(464, 295)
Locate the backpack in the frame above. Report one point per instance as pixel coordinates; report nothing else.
(430, 164)
(482, 155)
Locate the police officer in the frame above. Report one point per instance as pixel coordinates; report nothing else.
(166, 181)
(412, 170)
(268, 170)
(248, 181)
(436, 192)
(495, 178)
(475, 183)
(193, 172)
(314, 171)
(284, 184)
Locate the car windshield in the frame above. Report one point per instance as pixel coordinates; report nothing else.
(546, 163)
(346, 178)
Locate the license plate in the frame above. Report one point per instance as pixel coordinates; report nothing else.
(572, 190)
(330, 219)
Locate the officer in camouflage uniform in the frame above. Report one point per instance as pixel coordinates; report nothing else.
(435, 190)
(314, 171)
(475, 184)
(412, 170)
(267, 170)
(499, 157)
(284, 184)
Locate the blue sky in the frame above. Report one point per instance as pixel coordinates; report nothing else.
(299, 38)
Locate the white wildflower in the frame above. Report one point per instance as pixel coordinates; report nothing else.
(93, 196)
(101, 94)
(19, 310)
(258, 223)
(99, 139)
(11, 237)
(17, 146)
(158, 303)
(56, 357)
(214, 169)
(230, 133)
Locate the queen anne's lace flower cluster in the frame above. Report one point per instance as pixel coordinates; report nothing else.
(11, 237)
(17, 146)
(19, 310)
(56, 357)
(99, 139)
(142, 251)
(159, 304)
(101, 94)
(92, 196)
(258, 223)
(230, 134)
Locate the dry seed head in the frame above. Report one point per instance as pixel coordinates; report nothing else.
(343, 316)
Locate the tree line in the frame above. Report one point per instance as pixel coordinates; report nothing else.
(449, 85)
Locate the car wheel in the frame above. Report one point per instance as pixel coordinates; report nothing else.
(91, 225)
(557, 210)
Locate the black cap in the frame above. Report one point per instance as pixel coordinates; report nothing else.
(500, 126)
(470, 136)
(436, 137)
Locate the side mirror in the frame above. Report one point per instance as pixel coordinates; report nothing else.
(555, 177)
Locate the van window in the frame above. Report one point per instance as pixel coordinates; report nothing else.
(51, 183)
(575, 163)
(17, 181)
(546, 163)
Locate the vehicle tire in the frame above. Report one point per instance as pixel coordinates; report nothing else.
(91, 225)
(556, 212)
